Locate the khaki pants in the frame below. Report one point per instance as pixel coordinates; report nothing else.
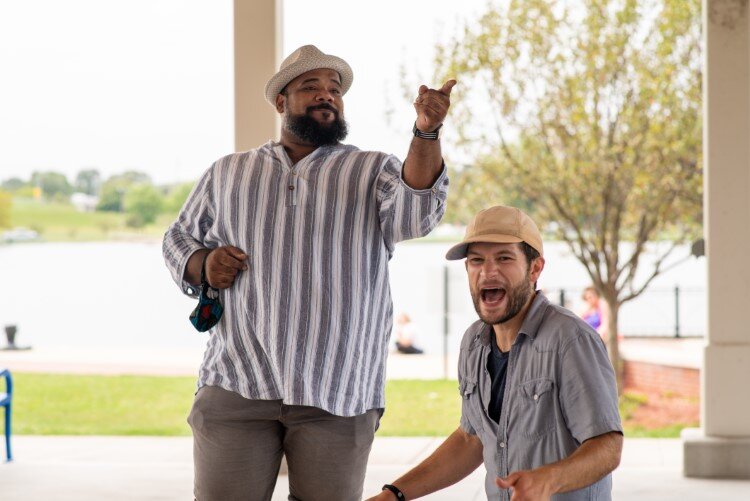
(238, 445)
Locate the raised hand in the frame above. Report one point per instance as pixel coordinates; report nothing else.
(432, 106)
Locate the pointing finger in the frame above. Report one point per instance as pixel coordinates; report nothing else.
(447, 86)
(422, 89)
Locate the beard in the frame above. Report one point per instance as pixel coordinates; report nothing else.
(516, 298)
(309, 130)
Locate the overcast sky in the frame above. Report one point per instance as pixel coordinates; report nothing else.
(147, 84)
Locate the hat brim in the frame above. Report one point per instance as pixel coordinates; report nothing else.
(459, 251)
(281, 79)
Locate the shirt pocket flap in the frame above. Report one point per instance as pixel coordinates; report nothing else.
(467, 388)
(536, 388)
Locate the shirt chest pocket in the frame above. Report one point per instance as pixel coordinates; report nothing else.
(468, 388)
(534, 415)
(471, 409)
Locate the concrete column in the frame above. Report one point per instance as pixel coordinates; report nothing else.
(721, 448)
(257, 54)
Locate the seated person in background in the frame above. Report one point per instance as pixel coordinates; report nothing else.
(405, 335)
(595, 313)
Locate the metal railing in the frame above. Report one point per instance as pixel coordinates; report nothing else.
(658, 312)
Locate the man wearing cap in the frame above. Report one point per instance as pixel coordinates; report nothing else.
(296, 235)
(539, 398)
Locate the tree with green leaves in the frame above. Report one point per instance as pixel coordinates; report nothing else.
(112, 197)
(54, 185)
(589, 112)
(177, 196)
(6, 204)
(88, 181)
(143, 203)
(13, 184)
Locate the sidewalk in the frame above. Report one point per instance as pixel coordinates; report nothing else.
(160, 469)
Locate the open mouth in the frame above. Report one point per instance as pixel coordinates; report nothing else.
(492, 295)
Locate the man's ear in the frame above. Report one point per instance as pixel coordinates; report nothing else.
(280, 99)
(537, 265)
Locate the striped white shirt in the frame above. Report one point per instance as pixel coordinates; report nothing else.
(309, 321)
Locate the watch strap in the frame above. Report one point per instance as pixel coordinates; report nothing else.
(433, 135)
(396, 491)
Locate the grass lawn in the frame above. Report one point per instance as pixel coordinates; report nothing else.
(56, 404)
(58, 222)
(52, 404)
(420, 408)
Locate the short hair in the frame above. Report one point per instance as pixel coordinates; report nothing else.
(530, 253)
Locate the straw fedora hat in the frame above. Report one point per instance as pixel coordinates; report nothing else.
(302, 60)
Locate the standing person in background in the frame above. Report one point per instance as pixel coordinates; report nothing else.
(297, 235)
(539, 398)
(596, 312)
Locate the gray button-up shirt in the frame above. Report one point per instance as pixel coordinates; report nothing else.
(560, 391)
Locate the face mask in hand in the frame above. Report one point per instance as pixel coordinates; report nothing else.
(209, 309)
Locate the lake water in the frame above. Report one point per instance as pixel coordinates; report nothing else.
(120, 296)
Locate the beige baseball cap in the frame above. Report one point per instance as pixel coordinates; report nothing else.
(302, 60)
(498, 224)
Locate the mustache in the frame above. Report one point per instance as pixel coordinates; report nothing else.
(323, 106)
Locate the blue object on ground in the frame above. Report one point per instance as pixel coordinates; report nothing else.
(5, 401)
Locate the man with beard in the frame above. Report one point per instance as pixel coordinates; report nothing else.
(539, 398)
(296, 236)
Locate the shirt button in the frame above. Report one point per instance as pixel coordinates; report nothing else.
(291, 188)
(502, 445)
(536, 397)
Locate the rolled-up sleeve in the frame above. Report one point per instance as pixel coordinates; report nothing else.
(186, 235)
(588, 391)
(404, 212)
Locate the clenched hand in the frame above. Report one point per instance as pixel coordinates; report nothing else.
(223, 264)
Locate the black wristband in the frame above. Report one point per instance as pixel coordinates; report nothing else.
(396, 491)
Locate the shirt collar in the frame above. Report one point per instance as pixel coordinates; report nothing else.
(278, 148)
(484, 334)
(534, 316)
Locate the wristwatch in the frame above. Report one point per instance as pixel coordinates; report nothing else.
(396, 491)
(433, 136)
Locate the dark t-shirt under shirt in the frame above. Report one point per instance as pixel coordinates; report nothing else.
(497, 365)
